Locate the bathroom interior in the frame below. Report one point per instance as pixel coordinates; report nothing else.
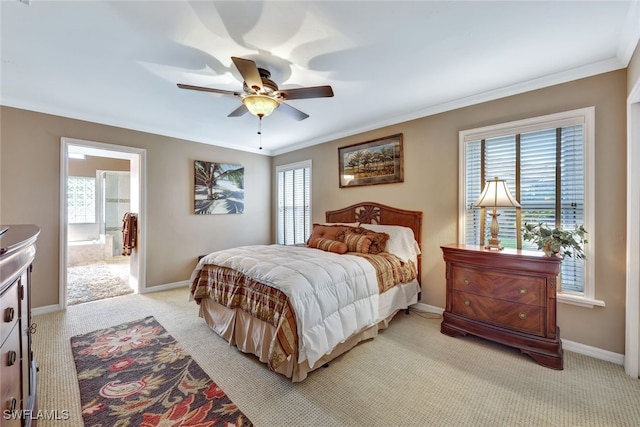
(98, 196)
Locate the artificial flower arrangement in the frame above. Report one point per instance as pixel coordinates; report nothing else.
(555, 241)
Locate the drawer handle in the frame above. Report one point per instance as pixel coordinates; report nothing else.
(9, 313)
(522, 315)
(13, 405)
(11, 358)
(466, 282)
(466, 302)
(522, 291)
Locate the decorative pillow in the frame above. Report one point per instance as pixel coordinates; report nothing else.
(326, 231)
(378, 240)
(356, 242)
(328, 245)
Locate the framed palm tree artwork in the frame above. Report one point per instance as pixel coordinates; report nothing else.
(379, 161)
(219, 188)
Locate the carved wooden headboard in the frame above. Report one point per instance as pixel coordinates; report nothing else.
(375, 213)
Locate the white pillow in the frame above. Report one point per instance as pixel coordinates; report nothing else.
(401, 241)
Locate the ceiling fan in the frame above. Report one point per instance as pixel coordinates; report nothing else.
(261, 94)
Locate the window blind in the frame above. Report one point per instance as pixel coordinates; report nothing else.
(500, 161)
(294, 203)
(474, 184)
(544, 169)
(572, 197)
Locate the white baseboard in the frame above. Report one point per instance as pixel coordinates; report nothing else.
(166, 287)
(56, 307)
(46, 309)
(427, 308)
(568, 345)
(595, 352)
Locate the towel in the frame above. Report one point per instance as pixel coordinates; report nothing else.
(129, 232)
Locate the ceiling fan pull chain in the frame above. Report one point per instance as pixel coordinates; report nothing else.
(260, 130)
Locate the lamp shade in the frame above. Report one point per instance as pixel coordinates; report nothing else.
(496, 194)
(260, 105)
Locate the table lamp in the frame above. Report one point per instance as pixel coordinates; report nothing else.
(496, 195)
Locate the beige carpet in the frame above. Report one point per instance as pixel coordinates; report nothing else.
(410, 375)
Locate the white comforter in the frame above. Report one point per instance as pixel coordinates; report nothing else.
(334, 296)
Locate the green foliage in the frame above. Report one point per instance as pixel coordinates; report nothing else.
(556, 241)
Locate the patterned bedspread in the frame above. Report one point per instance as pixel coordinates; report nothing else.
(233, 289)
(390, 270)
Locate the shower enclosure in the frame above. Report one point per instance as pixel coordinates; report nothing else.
(114, 188)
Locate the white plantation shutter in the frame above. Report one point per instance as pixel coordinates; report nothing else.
(544, 169)
(294, 203)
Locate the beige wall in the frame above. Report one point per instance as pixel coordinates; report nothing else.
(30, 181)
(431, 186)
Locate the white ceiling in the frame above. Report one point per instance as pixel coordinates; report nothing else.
(118, 62)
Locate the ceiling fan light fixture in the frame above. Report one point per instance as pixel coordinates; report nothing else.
(261, 94)
(260, 105)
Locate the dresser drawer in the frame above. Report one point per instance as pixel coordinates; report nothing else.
(509, 287)
(8, 310)
(521, 317)
(10, 386)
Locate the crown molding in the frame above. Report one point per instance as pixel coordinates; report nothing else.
(516, 89)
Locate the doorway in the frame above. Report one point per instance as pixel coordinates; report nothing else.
(99, 183)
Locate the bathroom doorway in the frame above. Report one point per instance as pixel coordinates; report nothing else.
(99, 184)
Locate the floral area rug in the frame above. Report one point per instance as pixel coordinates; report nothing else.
(136, 374)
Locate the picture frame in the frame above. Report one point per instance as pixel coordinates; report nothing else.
(218, 188)
(379, 161)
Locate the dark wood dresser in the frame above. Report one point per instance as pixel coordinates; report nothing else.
(17, 364)
(507, 296)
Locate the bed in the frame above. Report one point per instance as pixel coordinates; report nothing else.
(298, 307)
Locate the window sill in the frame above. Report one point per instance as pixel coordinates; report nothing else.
(579, 300)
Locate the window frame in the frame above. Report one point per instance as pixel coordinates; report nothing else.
(286, 167)
(584, 116)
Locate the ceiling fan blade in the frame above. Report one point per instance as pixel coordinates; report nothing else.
(240, 111)
(306, 92)
(208, 89)
(293, 112)
(249, 72)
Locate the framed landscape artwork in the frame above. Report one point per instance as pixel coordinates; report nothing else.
(373, 162)
(219, 188)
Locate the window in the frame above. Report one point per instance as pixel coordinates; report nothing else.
(81, 200)
(294, 203)
(548, 165)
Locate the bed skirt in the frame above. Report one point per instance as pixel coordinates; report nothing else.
(253, 336)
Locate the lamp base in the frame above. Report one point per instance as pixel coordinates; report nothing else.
(494, 244)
